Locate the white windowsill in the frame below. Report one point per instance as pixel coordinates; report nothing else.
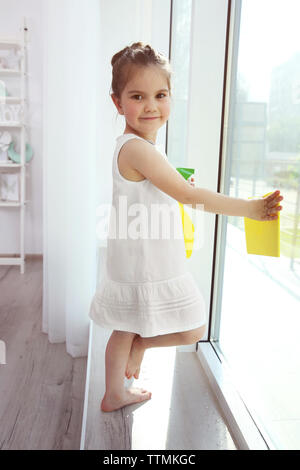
(242, 427)
(183, 424)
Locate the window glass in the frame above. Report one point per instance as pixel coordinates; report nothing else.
(258, 322)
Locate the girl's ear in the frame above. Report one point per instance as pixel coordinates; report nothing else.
(117, 103)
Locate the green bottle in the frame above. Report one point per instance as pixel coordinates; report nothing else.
(186, 172)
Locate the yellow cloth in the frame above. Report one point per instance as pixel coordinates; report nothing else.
(263, 237)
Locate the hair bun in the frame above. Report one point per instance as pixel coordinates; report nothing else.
(140, 54)
(137, 45)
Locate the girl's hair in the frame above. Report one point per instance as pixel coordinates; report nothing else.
(138, 54)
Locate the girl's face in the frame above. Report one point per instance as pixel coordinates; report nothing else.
(145, 96)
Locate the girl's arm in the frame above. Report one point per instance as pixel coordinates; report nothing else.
(259, 209)
(149, 162)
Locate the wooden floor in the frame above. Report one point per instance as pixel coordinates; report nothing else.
(41, 385)
(182, 413)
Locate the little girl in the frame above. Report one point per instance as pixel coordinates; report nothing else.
(147, 296)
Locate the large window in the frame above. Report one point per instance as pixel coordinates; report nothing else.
(256, 326)
(180, 61)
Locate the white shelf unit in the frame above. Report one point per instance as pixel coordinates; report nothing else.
(20, 43)
(10, 72)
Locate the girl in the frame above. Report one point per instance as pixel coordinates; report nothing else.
(147, 296)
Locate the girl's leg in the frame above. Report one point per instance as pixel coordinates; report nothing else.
(140, 344)
(116, 357)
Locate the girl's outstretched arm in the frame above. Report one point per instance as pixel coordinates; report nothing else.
(149, 162)
(258, 209)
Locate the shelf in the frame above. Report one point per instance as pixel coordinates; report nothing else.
(18, 72)
(9, 43)
(13, 204)
(12, 124)
(17, 260)
(10, 99)
(10, 72)
(11, 165)
(10, 204)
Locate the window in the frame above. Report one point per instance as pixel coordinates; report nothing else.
(256, 320)
(180, 61)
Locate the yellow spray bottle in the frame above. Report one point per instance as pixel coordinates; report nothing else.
(187, 224)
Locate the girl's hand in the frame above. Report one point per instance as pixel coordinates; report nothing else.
(265, 208)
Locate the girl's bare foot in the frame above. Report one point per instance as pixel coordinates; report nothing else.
(130, 395)
(135, 358)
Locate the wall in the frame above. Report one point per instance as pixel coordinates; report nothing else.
(11, 17)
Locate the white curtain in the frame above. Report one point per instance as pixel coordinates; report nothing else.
(80, 127)
(71, 116)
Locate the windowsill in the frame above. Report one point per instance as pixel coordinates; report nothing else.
(183, 412)
(241, 425)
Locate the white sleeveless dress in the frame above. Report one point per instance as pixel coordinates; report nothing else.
(146, 287)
